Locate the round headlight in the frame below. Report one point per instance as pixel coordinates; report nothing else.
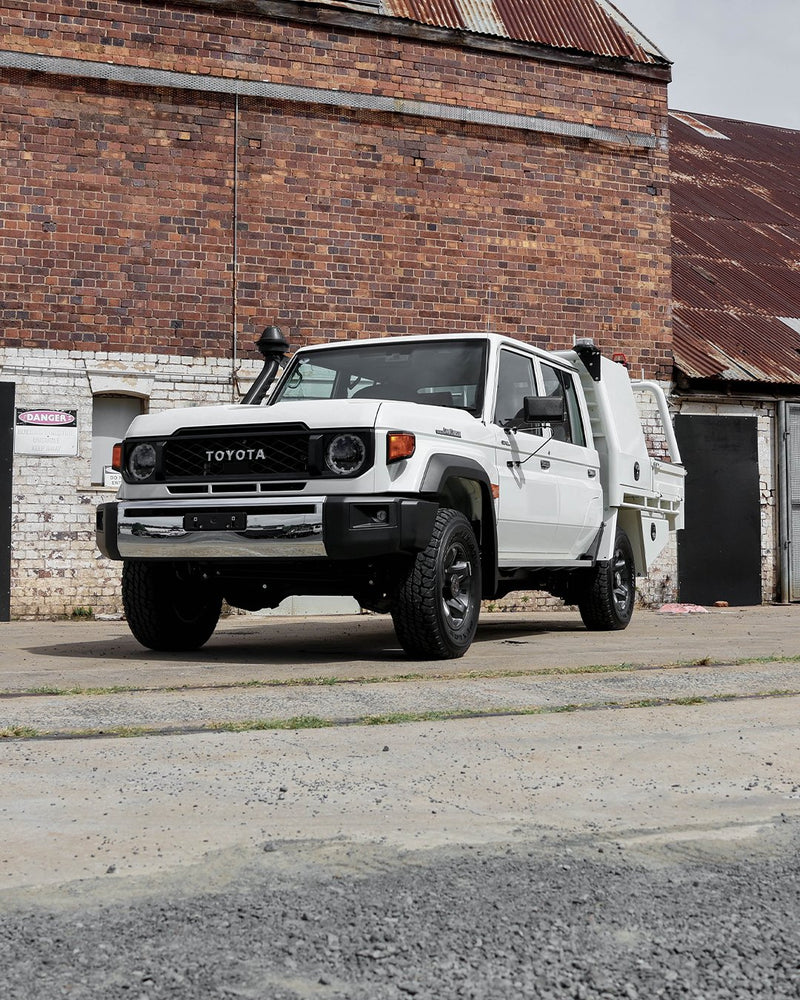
(142, 462)
(345, 454)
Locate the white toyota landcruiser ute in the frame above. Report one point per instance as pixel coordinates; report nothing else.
(421, 475)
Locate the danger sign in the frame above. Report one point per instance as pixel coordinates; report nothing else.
(44, 431)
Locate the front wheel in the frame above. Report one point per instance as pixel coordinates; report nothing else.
(607, 602)
(168, 607)
(435, 610)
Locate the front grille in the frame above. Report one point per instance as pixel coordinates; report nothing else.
(241, 455)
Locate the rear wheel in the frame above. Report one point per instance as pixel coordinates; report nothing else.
(607, 602)
(169, 608)
(436, 608)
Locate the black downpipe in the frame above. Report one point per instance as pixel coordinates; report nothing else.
(7, 390)
(273, 347)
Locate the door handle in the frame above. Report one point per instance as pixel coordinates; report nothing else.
(545, 463)
(592, 473)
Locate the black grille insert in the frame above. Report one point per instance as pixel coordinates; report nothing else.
(243, 455)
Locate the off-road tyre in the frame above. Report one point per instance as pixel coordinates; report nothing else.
(436, 607)
(168, 608)
(606, 604)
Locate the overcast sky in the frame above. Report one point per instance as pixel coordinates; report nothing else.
(733, 58)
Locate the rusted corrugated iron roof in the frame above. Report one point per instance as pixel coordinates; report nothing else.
(736, 249)
(593, 27)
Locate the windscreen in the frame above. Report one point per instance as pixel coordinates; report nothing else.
(438, 373)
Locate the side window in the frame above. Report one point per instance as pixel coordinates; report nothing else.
(560, 383)
(310, 381)
(515, 381)
(111, 416)
(577, 430)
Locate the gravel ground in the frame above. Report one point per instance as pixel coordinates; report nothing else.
(552, 919)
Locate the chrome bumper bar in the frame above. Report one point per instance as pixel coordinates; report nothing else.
(226, 530)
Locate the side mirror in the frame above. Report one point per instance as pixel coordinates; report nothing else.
(544, 409)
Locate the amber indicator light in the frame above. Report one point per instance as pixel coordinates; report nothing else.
(399, 445)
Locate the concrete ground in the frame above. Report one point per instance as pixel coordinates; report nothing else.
(66, 654)
(680, 730)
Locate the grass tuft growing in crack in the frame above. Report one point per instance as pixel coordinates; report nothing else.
(250, 725)
(18, 733)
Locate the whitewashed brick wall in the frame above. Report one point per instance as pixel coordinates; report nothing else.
(660, 586)
(56, 569)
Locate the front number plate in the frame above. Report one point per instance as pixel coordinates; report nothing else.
(236, 521)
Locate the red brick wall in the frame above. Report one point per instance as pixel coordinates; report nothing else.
(117, 219)
(118, 200)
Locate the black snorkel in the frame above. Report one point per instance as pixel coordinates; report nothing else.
(273, 347)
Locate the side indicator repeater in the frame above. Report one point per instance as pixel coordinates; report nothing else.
(399, 445)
